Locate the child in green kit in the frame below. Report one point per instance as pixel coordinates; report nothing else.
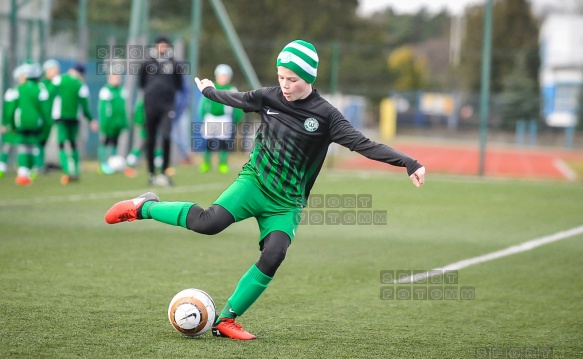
(219, 122)
(297, 127)
(71, 94)
(112, 119)
(27, 115)
(51, 69)
(7, 133)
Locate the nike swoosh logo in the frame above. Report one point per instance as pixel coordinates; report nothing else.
(137, 201)
(231, 310)
(269, 112)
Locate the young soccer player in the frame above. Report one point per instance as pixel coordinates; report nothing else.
(139, 135)
(180, 135)
(51, 69)
(71, 94)
(27, 116)
(297, 126)
(218, 122)
(7, 133)
(112, 119)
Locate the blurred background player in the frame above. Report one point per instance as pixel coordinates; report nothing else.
(139, 129)
(7, 133)
(180, 126)
(160, 81)
(26, 115)
(219, 122)
(112, 119)
(51, 69)
(71, 94)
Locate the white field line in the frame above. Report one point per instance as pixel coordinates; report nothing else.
(565, 169)
(108, 195)
(523, 247)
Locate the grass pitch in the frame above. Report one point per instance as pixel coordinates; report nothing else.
(73, 286)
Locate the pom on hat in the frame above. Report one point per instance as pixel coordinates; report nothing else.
(223, 69)
(49, 64)
(301, 57)
(30, 70)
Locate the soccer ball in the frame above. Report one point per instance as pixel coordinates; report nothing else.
(192, 312)
(116, 163)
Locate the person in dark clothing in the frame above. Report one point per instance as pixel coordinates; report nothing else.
(297, 126)
(160, 78)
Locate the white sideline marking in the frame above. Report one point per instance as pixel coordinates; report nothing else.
(565, 169)
(106, 195)
(523, 247)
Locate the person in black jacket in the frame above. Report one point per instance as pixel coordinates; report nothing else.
(160, 79)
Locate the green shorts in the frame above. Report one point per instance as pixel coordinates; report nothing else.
(245, 198)
(67, 130)
(27, 137)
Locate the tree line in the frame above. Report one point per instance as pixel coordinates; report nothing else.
(375, 55)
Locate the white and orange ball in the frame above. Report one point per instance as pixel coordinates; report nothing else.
(192, 312)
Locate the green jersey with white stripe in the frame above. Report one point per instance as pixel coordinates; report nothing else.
(71, 94)
(293, 138)
(112, 110)
(27, 108)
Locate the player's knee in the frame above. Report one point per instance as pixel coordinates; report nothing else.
(273, 253)
(211, 221)
(270, 260)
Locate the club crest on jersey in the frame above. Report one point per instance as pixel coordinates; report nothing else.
(311, 124)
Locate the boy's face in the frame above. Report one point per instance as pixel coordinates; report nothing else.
(162, 47)
(223, 79)
(114, 80)
(52, 72)
(293, 87)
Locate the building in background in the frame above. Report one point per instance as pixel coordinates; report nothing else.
(561, 73)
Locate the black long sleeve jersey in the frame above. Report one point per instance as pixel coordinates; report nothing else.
(292, 141)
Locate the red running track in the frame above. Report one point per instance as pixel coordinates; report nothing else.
(500, 162)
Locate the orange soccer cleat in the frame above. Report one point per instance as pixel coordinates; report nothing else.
(128, 210)
(229, 328)
(23, 181)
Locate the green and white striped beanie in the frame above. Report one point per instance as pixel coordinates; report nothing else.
(301, 57)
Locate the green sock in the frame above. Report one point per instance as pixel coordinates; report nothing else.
(22, 159)
(64, 161)
(31, 159)
(102, 154)
(173, 213)
(223, 155)
(207, 157)
(250, 287)
(40, 158)
(75, 156)
(4, 155)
